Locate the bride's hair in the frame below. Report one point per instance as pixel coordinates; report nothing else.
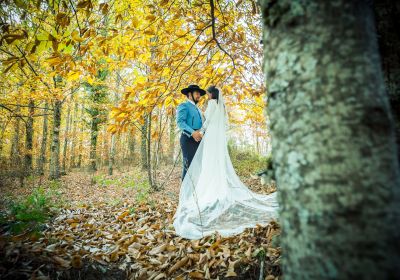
(214, 92)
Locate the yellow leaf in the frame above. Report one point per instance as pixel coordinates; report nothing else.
(164, 2)
(72, 76)
(151, 17)
(135, 22)
(123, 215)
(74, 225)
(75, 36)
(90, 80)
(150, 31)
(54, 60)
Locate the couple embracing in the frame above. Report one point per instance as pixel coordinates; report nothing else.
(212, 197)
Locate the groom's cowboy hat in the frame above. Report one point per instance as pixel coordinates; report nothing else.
(192, 88)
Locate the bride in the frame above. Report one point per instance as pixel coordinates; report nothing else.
(212, 197)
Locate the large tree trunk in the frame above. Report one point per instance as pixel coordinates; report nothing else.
(66, 138)
(55, 142)
(42, 158)
(388, 26)
(29, 139)
(333, 141)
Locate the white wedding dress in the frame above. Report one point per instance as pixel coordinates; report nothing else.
(212, 197)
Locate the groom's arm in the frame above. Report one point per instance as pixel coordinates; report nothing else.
(181, 115)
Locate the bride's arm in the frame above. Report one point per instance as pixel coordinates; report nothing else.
(211, 107)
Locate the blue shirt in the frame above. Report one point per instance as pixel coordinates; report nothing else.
(188, 118)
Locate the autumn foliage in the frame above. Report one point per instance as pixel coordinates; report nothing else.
(91, 83)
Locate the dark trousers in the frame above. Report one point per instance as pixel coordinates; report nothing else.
(189, 147)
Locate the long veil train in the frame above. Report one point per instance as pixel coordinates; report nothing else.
(212, 197)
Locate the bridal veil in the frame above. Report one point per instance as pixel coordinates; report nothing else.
(212, 197)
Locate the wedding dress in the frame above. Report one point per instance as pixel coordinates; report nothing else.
(212, 197)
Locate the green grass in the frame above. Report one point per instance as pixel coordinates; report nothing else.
(247, 162)
(138, 182)
(28, 213)
(102, 180)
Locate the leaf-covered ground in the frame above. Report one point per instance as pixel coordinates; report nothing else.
(114, 227)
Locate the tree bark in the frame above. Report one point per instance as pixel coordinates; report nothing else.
(143, 147)
(388, 25)
(29, 139)
(42, 158)
(73, 138)
(79, 164)
(55, 142)
(3, 130)
(111, 161)
(149, 165)
(172, 136)
(132, 146)
(15, 151)
(66, 139)
(94, 131)
(332, 139)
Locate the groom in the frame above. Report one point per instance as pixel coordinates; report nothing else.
(189, 120)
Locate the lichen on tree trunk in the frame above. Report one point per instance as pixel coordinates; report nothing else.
(332, 140)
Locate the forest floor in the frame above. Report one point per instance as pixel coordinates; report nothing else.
(115, 227)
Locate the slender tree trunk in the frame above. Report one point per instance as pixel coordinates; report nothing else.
(125, 147)
(3, 130)
(257, 138)
(157, 147)
(55, 142)
(73, 138)
(66, 138)
(15, 151)
(388, 26)
(42, 158)
(103, 149)
(94, 131)
(132, 146)
(333, 141)
(111, 161)
(149, 165)
(143, 148)
(80, 149)
(29, 139)
(172, 136)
